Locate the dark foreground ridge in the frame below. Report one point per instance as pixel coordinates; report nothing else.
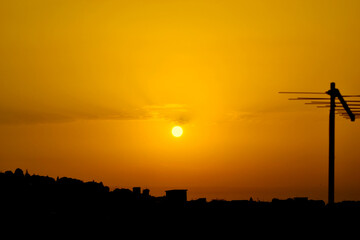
(24, 195)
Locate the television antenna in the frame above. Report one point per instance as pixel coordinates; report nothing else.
(349, 109)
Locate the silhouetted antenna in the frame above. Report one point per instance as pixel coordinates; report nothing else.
(304, 92)
(351, 95)
(308, 98)
(337, 104)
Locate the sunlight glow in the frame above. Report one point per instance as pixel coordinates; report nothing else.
(177, 131)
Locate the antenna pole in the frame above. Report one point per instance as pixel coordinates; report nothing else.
(332, 94)
(347, 111)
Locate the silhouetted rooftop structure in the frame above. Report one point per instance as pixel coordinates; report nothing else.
(19, 173)
(137, 191)
(146, 193)
(176, 196)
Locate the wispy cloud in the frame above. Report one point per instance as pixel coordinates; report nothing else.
(240, 115)
(32, 117)
(172, 112)
(177, 113)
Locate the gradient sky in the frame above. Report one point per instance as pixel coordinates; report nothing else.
(91, 89)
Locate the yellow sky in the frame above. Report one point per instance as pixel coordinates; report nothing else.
(91, 90)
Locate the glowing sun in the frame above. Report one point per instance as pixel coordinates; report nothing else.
(177, 131)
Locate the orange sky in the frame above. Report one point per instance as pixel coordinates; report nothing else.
(91, 90)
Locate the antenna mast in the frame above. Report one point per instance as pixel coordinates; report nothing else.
(345, 112)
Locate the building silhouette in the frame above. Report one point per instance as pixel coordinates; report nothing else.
(137, 191)
(146, 193)
(176, 196)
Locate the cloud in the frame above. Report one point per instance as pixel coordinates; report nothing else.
(172, 112)
(240, 115)
(16, 116)
(176, 113)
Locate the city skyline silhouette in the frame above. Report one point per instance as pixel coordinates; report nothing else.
(32, 190)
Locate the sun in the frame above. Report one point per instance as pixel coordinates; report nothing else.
(177, 131)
